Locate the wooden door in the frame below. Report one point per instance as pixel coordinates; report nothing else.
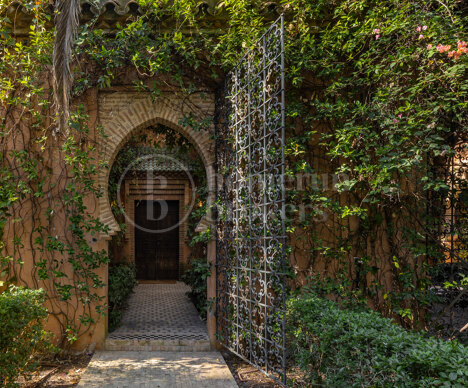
(157, 240)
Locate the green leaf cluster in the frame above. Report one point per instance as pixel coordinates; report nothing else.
(196, 277)
(337, 347)
(122, 280)
(22, 336)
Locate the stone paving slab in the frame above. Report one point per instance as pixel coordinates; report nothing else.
(125, 369)
(158, 345)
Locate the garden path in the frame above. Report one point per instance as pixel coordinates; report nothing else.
(149, 369)
(160, 316)
(161, 343)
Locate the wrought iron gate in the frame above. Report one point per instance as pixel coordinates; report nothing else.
(251, 206)
(447, 242)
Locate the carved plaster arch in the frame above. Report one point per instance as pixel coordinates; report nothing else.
(139, 115)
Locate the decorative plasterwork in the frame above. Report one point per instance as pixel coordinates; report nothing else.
(107, 14)
(139, 115)
(205, 7)
(120, 7)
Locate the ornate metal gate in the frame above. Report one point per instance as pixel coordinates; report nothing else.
(251, 197)
(447, 241)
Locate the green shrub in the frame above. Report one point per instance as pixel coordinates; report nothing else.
(359, 348)
(122, 280)
(21, 332)
(195, 276)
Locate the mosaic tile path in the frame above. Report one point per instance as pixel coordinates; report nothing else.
(160, 312)
(157, 370)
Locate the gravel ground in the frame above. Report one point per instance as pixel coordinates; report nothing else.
(62, 373)
(246, 375)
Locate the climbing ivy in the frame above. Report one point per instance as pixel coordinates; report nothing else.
(384, 102)
(377, 99)
(47, 184)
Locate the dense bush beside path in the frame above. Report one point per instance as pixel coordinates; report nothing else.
(338, 347)
(21, 332)
(122, 280)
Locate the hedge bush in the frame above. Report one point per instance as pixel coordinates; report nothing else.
(195, 276)
(21, 332)
(122, 280)
(335, 347)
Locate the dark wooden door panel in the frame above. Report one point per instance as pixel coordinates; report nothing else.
(157, 240)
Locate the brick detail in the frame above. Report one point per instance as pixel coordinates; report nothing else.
(124, 113)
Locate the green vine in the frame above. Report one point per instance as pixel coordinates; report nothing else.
(376, 106)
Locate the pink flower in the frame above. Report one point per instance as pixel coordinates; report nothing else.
(442, 49)
(424, 28)
(418, 29)
(429, 46)
(377, 36)
(421, 37)
(399, 116)
(377, 31)
(461, 44)
(451, 53)
(456, 55)
(395, 121)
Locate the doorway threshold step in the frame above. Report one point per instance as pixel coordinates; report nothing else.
(180, 345)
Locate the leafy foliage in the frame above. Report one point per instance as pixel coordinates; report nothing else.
(195, 276)
(22, 336)
(48, 182)
(337, 347)
(376, 106)
(122, 280)
(376, 103)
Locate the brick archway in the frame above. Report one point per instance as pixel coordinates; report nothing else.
(139, 115)
(121, 115)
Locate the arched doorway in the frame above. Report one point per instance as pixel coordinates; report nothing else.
(123, 117)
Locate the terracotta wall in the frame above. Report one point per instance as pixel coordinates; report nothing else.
(121, 111)
(46, 211)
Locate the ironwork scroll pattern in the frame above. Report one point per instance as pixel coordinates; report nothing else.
(455, 244)
(448, 234)
(456, 217)
(251, 199)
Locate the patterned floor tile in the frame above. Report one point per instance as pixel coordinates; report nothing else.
(160, 312)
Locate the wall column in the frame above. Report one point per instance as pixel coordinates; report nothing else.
(211, 294)
(95, 337)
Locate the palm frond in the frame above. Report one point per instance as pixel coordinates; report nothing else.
(67, 20)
